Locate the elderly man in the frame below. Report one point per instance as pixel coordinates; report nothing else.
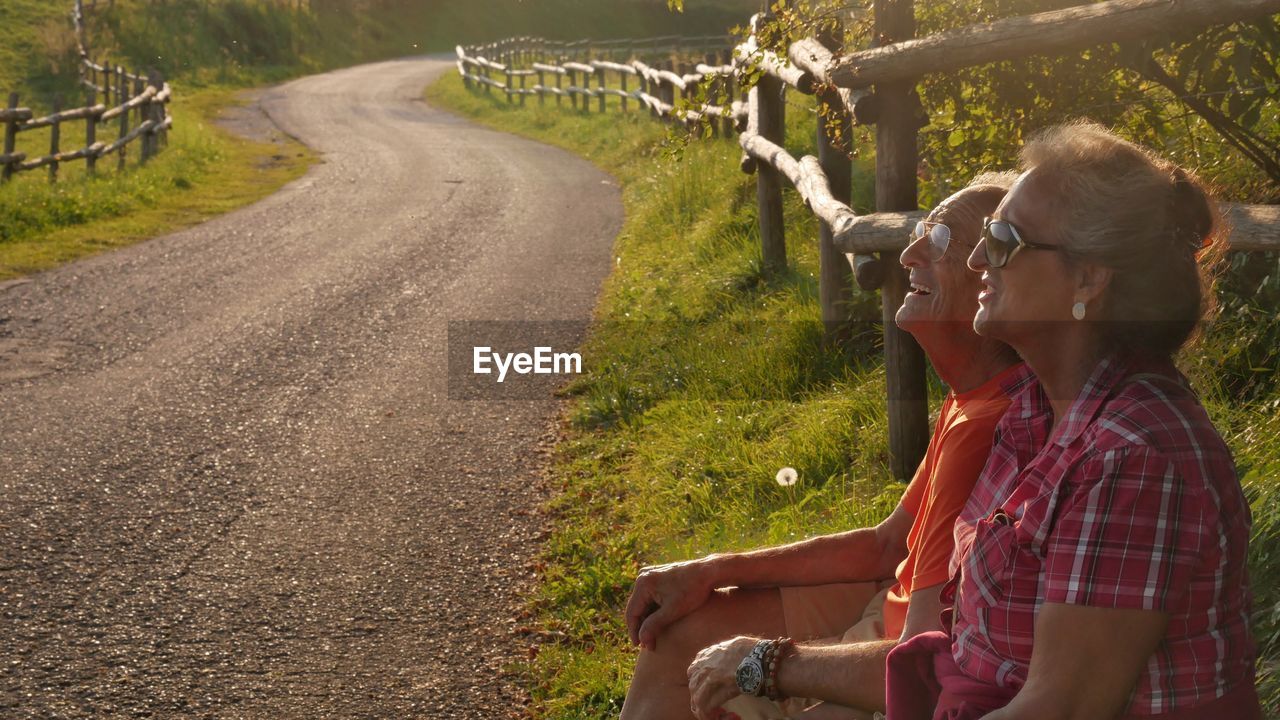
(802, 630)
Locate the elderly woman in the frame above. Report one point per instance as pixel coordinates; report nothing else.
(728, 612)
(1103, 554)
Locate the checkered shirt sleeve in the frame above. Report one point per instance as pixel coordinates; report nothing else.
(1130, 535)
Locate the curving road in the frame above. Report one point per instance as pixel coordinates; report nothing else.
(234, 484)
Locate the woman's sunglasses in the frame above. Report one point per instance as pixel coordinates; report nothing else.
(939, 238)
(1002, 241)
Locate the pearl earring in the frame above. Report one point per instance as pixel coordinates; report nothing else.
(1077, 311)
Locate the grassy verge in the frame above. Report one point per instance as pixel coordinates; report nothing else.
(704, 378)
(204, 171)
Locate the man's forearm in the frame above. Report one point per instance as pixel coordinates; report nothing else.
(850, 674)
(855, 556)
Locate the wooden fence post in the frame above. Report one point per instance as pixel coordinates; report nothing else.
(542, 86)
(834, 277)
(10, 138)
(658, 89)
(122, 96)
(149, 113)
(896, 163)
(162, 114)
(643, 85)
(55, 136)
(573, 83)
(507, 73)
(600, 87)
(770, 123)
(522, 88)
(145, 141)
(106, 83)
(137, 90)
(622, 79)
(91, 133)
(668, 89)
(559, 97)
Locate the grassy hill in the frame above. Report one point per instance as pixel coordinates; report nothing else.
(240, 42)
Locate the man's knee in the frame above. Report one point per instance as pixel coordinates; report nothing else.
(726, 614)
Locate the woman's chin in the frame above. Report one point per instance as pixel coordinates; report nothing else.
(982, 322)
(989, 325)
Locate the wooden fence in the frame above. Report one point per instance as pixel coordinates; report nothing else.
(580, 71)
(870, 87)
(137, 105)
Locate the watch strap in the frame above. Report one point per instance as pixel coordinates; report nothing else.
(754, 664)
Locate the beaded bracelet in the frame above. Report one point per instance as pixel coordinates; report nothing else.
(773, 661)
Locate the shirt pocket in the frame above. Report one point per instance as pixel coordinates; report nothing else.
(1009, 622)
(988, 562)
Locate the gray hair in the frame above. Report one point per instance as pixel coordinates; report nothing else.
(975, 201)
(1121, 206)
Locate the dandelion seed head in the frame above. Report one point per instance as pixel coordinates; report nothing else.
(787, 476)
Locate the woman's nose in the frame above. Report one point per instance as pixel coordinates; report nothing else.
(977, 261)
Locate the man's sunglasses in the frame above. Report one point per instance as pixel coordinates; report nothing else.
(939, 238)
(1002, 241)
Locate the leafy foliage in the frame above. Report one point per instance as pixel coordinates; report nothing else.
(1206, 99)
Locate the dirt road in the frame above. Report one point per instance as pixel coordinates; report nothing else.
(233, 482)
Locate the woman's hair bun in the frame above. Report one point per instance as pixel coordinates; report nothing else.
(1191, 212)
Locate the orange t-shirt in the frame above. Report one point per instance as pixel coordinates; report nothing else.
(957, 452)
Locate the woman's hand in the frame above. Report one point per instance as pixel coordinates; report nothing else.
(713, 676)
(664, 594)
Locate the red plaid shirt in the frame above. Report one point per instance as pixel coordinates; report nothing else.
(1134, 503)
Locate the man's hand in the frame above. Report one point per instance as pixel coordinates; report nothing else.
(713, 676)
(664, 594)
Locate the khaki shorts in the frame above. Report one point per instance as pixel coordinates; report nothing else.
(828, 614)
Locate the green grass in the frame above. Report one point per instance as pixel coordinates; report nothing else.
(203, 172)
(35, 42)
(705, 377)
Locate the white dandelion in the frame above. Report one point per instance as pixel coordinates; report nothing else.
(787, 476)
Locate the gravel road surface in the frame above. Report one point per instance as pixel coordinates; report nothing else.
(234, 484)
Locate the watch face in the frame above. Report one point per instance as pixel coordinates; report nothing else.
(750, 676)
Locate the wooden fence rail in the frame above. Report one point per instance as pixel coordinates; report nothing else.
(127, 95)
(869, 87)
(587, 76)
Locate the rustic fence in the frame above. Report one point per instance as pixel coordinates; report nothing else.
(137, 107)
(868, 87)
(580, 71)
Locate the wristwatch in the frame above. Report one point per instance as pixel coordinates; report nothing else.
(750, 675)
